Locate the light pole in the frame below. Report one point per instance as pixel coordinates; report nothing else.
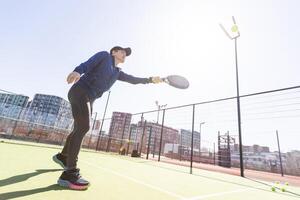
(201, 123)
(100, 132)
(235, 30)
(92, 129)
(159, 107)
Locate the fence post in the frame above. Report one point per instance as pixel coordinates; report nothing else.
(122, 137)
(192, 142)
(130, 130)
(149, 142)
(154, 145)
(180, 147)
(161, 133)
(40, 136)
(279, 152)
(143, 134)
(214, 154)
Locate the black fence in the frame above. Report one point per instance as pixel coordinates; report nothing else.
(203, 134)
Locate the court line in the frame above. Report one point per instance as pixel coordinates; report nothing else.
(166, 191)
(217, 194)
(136, 181)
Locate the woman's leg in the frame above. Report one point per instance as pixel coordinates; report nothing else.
(82, 120)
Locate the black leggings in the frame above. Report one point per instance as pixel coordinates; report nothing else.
(81, 110)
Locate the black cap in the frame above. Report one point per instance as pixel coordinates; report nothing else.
(127, 50)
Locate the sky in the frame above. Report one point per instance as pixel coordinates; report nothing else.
(43, 41)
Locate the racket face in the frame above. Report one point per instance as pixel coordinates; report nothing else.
(178, 81)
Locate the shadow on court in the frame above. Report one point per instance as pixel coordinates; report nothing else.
(24, 177)
(22, 193)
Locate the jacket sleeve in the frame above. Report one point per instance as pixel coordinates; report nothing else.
(131, 79)
(91, 63)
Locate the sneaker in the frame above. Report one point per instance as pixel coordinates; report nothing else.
(72, 180)
(60, 159)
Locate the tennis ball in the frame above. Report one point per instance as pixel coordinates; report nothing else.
(286, 183)
(234, 28)
(273, 189)
(277, 182)
(283, 189)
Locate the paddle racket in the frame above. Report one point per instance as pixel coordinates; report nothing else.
(176, 81)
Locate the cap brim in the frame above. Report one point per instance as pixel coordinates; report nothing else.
(128, 51)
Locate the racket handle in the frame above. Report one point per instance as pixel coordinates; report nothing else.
(165, 80)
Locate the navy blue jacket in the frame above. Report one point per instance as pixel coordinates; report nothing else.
(99, 73)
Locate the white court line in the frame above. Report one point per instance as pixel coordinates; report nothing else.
(217, 194)
(166, 191)
(137, 181)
